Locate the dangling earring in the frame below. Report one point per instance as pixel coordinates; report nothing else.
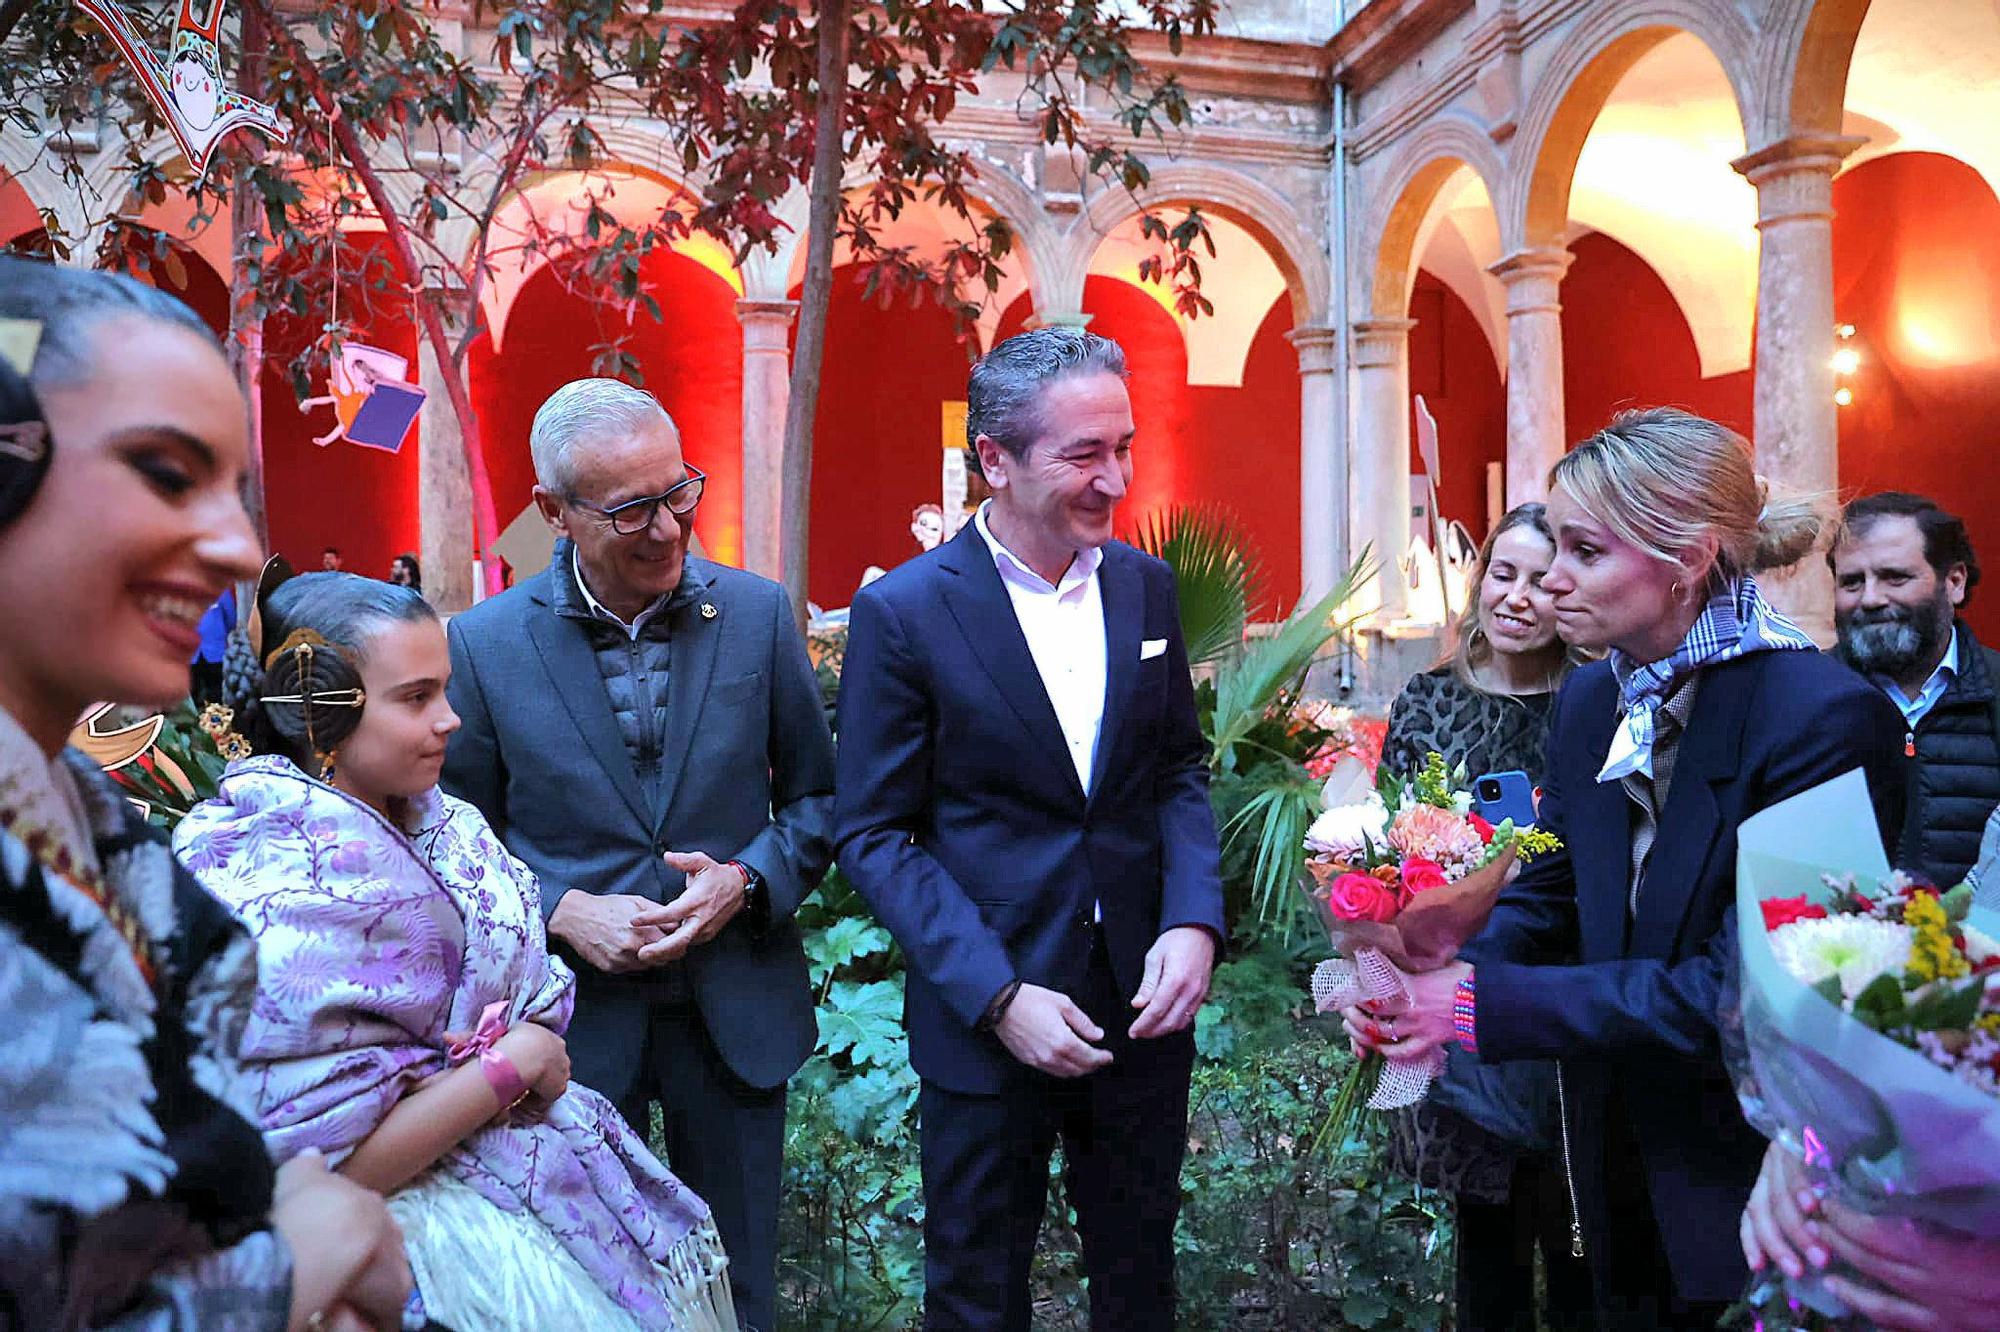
(326, 768)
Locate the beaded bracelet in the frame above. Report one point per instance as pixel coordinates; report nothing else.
(1464, 1014)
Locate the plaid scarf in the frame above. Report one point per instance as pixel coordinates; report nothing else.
(1736, 622)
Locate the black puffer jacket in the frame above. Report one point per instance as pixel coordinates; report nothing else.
(1955, 770)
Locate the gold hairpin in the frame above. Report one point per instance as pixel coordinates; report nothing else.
(332, 698)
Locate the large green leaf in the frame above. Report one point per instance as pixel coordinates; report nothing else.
(865, 1021)
(1215, 575)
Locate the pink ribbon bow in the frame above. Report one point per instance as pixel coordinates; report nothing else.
(492, 1026)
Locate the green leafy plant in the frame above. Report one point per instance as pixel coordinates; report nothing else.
(1265, 799)
(1216, 577)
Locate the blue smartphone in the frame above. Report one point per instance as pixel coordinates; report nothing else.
(1499, 796)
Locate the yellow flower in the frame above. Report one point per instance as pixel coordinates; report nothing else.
(1933, 954)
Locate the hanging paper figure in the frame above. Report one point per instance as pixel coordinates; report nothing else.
(372, 405)
(188, 87)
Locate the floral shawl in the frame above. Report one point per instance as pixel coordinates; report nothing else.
(373, 942)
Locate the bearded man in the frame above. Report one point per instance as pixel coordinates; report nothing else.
(1902, 570)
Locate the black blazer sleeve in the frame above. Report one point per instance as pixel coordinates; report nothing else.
(1634, 1005)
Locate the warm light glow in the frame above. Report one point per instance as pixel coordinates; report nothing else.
(1846, 361)
(1843, 330)
(711, 254)
(1843, 396)
(1941, 329)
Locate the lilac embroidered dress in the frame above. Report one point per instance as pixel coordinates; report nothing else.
(374, 941)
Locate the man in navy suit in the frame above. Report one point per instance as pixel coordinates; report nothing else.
(1022, 797)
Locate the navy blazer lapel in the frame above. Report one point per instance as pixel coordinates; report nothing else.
(1691, 822)
(573, 670)
(1599, 820)
(695, 623)
(1123, 591)
(978, 603)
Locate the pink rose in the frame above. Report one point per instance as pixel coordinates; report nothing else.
(1420, 876)
(1360, 897)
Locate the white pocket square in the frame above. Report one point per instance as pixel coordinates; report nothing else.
(1150, 648)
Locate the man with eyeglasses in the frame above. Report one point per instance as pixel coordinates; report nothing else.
(643, 729)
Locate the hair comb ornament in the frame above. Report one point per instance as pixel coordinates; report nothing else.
(25, 444)
(302, 645)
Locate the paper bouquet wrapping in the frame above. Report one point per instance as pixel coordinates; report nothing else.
(1862, 1027)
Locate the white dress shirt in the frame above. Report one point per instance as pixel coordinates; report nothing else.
(1064, 625)
(1914, 708)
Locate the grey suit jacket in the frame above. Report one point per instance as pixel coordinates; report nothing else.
(749, 777)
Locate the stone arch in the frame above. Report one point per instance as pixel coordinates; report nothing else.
(1260, 210)
(1818, 39)
(1429, 159)
(994, 189)
(510, 275)
(1577, 82)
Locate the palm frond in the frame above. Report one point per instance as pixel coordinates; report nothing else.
(1246, 688)
(1215, 575)
(1284, 805)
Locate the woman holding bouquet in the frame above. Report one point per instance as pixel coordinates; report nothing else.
(408, 1018)
(1486, 1133)
(1610, 953)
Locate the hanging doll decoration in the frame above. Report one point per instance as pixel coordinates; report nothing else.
(372, 404)
(188, 87)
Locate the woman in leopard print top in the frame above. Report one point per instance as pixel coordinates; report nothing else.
(1487, 1134)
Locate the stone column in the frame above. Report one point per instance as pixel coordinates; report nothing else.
(767, 389)
(1322, 470)
(1535, 428)
(444, 482)
(1798, 434)
(1380, 453)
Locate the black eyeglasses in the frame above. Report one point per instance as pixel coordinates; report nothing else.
(635, 516)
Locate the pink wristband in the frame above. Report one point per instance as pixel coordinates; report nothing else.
(503, 1077)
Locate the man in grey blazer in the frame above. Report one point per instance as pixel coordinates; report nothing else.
(643, 729)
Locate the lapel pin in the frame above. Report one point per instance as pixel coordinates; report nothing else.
(708, 610)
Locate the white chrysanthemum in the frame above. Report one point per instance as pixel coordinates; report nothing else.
(1855, 948)
(1343, 831)
(1979, 946)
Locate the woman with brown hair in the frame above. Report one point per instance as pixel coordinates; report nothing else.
(1487, 1135)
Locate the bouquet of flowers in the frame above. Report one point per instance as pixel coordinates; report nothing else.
(1403, 875)
(1864, 1035)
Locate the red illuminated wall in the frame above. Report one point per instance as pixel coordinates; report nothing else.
(877, 436)
(1235, 448)
(692, 360)
(1626, 344)
(1916, 270)
(1452, 366)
